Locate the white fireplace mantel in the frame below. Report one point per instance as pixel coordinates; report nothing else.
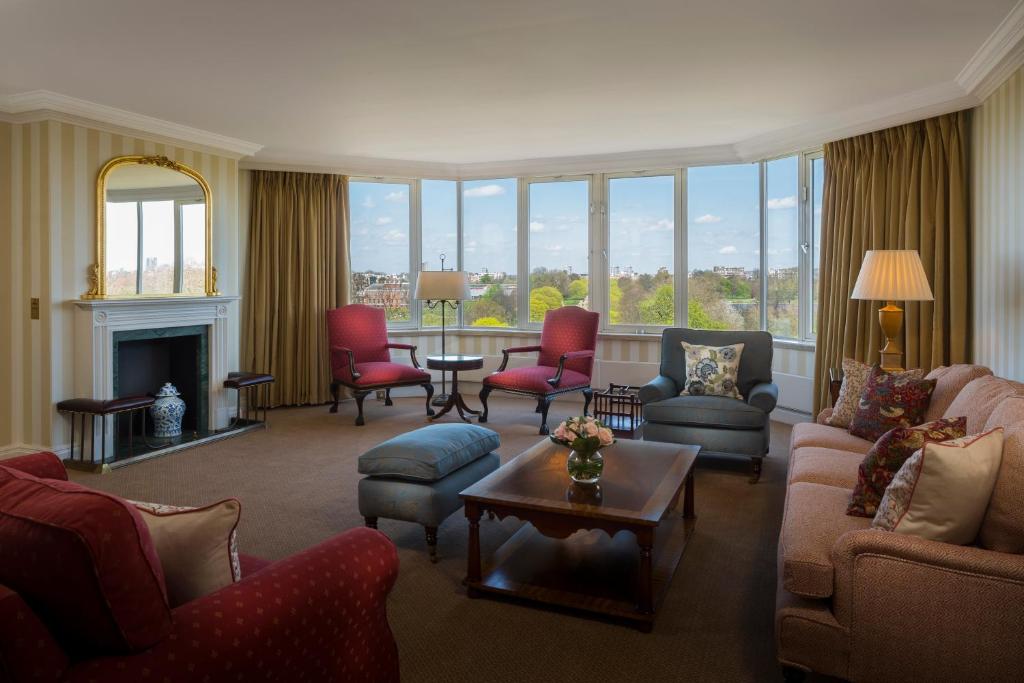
(97, 320)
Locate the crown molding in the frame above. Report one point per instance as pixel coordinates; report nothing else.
(38, 105)
(999, 56)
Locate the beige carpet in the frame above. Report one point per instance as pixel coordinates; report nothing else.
(297, 484)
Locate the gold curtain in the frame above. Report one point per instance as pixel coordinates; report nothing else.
(902, 188)
(298, 268)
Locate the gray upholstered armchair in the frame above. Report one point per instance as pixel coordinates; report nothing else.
(719, 424)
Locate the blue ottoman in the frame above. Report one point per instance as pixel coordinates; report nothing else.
(417, 476)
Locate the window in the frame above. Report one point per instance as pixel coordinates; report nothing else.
(439, 201)
(817, 191)
(723, 248)
(380, 246)
(193, 246)
(641, 253)
(559, 245)
(123, 248)
(490, 223)
(782, 246)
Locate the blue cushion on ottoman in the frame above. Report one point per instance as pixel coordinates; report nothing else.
(430, 453)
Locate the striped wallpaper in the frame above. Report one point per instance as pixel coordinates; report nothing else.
(48, 172)
(998, 173)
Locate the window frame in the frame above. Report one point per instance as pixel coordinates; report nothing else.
(415, 247)
(678, 249)
(599, 243)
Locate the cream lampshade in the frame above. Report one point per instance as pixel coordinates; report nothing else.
(442, 285)
(892, 275)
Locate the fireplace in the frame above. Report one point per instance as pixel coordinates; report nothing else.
(145, 359)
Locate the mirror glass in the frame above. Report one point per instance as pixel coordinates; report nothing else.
(154, 232)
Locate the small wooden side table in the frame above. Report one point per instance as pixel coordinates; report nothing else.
(452, 364)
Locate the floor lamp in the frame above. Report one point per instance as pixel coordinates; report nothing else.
(444, 288)
(892, 275)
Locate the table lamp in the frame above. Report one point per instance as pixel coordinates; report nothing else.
(442, 288)
(892, 275)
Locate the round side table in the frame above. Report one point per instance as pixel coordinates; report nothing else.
(452, 364)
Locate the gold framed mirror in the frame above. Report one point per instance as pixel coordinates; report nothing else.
(153, 231)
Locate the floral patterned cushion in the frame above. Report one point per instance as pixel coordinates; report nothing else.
(889, 453)
(712, 370)
(889, 401)
(855, 378)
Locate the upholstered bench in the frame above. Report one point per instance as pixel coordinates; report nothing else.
(417, 476)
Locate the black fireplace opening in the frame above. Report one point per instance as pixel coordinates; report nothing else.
(144, 360)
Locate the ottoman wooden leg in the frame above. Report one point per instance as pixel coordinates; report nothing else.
(432, 542)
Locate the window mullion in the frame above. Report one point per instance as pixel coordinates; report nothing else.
(523, 254)
(763, 220)
(681, 231)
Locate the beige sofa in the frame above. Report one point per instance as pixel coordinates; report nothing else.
(868, 605)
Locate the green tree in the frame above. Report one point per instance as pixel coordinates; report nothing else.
(542, 300)
(578, 289)
(542, 277)
(659, 308)
(700, 319)
(615, 301)
(485, 308)
(489, 321)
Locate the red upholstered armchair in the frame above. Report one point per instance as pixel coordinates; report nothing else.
(565, 362)
(361, 357)
(319, 615)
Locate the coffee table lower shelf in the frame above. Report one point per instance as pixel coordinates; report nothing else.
(587, 571)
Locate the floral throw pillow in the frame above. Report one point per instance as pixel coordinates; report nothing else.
(887, 456)
(890, 401)
(855, 378)
(712, 370)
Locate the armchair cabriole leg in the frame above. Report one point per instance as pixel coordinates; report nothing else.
(545, 403)
(336, 395)
(360, 395)
(432, 542)
(484, 393)
(429, 388)
(755, 469)
(588, 396)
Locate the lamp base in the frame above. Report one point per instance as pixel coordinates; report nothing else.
(890, 318)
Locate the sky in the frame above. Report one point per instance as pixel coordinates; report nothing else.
(158, 233)
(722, 221)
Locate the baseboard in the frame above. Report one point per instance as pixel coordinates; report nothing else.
(790, 417)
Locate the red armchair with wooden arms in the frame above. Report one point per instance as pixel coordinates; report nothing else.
(565, 362)
(361, 357)
(317, 615)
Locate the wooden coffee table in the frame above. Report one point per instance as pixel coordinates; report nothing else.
(572, 553)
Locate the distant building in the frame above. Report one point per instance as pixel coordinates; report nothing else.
(732, 271)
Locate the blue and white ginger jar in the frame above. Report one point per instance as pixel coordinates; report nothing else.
(167, 412)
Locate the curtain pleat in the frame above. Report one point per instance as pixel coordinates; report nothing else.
(297, 269)
(901, 188)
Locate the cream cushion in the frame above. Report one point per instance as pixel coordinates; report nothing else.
(196, 546)
(943, 490)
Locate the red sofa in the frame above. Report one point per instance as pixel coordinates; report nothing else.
(319, 615)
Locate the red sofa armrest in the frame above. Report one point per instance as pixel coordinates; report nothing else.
(28, 651)
(45, 465)
(411, 348)
(514, 349)
(319, 615)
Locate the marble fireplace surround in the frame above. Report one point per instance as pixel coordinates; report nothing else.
(96, 321)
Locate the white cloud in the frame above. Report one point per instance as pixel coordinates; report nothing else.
(661, 225)
(727, 249)
(383, 220)
(782, 202)
(536, 226)
(368, 202)
(708, 218)
(395, 196)
(491, 190)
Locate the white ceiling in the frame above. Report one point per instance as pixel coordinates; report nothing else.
(472, 81)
